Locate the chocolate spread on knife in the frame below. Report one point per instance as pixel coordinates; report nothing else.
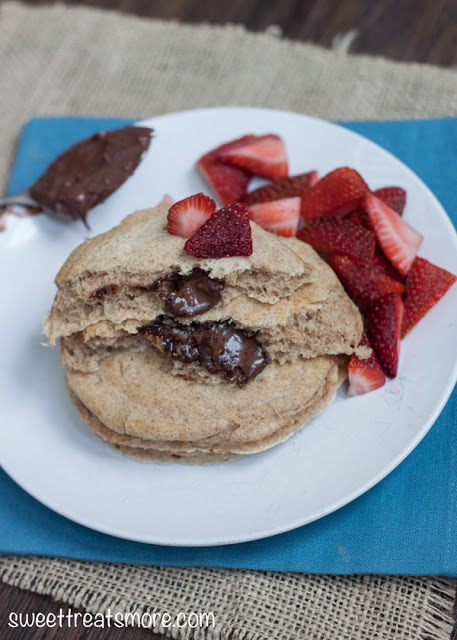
(188, 295)
(88, 172)
(217, 346)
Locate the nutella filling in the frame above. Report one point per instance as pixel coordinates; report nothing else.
(182, 296)
(217, 346)
(192, 295)
(88, 172)
(101, 293)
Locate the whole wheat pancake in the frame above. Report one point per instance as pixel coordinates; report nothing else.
(316, 318)
(160, 384)
(141, 415)
(140, 251)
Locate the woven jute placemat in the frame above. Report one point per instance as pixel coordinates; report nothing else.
(57, 60)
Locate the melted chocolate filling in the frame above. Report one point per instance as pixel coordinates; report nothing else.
(109, 290)
(88, 172)
(192, 295)
(182, 296)
(217, 346)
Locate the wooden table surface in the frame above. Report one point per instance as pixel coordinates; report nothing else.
(410, 30)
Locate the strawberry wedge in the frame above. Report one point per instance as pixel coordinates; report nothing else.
(282, 188)
(342, 237)
(337, 193)
(229, 183)
(382, 265)
(364, 283)
(280, 216)
(166, 200)
(383, 323)
(399, 241)
(225, 234)
(394, 197)
(364, 375)
(265, 156)
(357, 216)
(186, 216)
(425, 285)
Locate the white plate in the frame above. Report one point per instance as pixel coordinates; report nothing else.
(339, 455)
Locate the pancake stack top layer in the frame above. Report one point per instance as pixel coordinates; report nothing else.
(154, 341)
(140, 251)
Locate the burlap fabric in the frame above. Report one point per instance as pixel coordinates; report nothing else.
(56, 60)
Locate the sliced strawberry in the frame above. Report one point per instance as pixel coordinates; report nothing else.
(186, 216)
(280, 216)
(266, 157)
(398, 239)
(336, 193)
(382, 265)
(227, 233)
(282, 188)
(364, 375)
(425, 285)
(229, 183)
(358, 216)
(336, 235)
(394, 197)
(383, 323)
(364, 283)
(166, 201)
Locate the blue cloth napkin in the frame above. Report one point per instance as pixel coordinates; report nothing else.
(407, 524)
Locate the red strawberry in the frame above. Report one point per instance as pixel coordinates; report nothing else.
(282, 188)
(364, 375)
(336, 193)
(394, 197)
(336, 235)
(186, 216)
(382, 265)
(383, 321)
(364, 283)
(227, 233)
(280, 216)
(358, 216)
(425, 285)
(266, 156)
(166, 201)
(398, 239)
(229, 183)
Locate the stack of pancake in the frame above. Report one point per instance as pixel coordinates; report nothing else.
(171, 358)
